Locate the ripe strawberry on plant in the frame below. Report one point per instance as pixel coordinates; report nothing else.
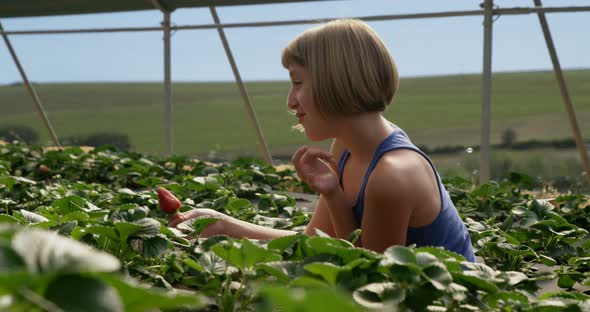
(43, 168)
(168, 202)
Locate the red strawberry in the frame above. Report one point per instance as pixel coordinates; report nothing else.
(168, 202)
(43, 168)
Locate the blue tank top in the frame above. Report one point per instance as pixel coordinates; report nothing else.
(447, 229)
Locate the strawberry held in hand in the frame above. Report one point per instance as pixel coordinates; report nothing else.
(168, 202)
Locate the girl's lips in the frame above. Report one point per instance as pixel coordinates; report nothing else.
(300, 117)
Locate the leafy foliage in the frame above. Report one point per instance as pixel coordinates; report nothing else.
(89, 230)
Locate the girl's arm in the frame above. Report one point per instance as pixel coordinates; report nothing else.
(322, 216)
(229, 226)
(341, 215)
(242, 229)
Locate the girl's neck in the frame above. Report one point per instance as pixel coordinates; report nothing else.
(362, 134)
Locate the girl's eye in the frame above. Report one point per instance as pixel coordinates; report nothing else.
(296, 83)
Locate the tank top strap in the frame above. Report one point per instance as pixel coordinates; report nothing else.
(385, 146)
(341, 163)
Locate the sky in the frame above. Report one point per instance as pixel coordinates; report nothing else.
(423, 47)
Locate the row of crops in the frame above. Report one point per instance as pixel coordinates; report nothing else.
(81, 231)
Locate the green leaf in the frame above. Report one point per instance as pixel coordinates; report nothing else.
(424, 259)
(507, 297)
(139, 298)
(326, 270)
(193, 265)
(458, 292)
(472, 280)
(512, 277)
(76, 216)
(212, 263)
(126, 229)
(438, 276)
(318, 299)
(334, 246)
(149, 227)
(129, 213)
(565, 281)
(196, 226)
(45, 251)
(9, 259)
(309, 282)
(409, 274)
(72, 203)
(550, 306)
(380, 295)
(32, 217)
(24, 180)
(65, 228)
(284, 242)
(78, 232)
(398, 255)
(236, 204)
(205, 245)
(516, 250)
(244, 255)
(441, 253)
(564, 295)
(527, 217)
(547, 260)
(126, 191)
(354, 236)
(152, 247)
(106, 231)
(284, 271)
(13, 280)
(81, 293)
(4, 218)
(150, 182)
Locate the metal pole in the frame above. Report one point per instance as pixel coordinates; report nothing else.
(31, 91)
(486, 101)
(167, 86)
(569, 107)
(509, 11)
(243, 91)
(167, 77)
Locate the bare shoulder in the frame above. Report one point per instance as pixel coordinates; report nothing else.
(401, 174)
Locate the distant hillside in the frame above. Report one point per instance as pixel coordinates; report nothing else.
(210, 117)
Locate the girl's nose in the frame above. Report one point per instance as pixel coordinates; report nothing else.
(291, 100)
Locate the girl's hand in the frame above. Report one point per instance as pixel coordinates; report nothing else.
(217, 228)
(318, 169)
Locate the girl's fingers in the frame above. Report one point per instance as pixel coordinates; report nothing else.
(176, 219)
(324, 156)
(296, 160)
(297, 156)
(319, 153)
(333, 163)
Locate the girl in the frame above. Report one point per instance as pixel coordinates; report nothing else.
(373, 178)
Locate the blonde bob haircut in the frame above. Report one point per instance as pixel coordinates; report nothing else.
(351, 68)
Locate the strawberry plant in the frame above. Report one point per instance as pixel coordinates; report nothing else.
(90, 233)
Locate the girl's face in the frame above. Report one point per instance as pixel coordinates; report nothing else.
(300, 100)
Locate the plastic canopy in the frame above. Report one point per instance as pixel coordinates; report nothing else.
(30, 8)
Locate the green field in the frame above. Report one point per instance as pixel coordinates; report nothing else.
(435, 111)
